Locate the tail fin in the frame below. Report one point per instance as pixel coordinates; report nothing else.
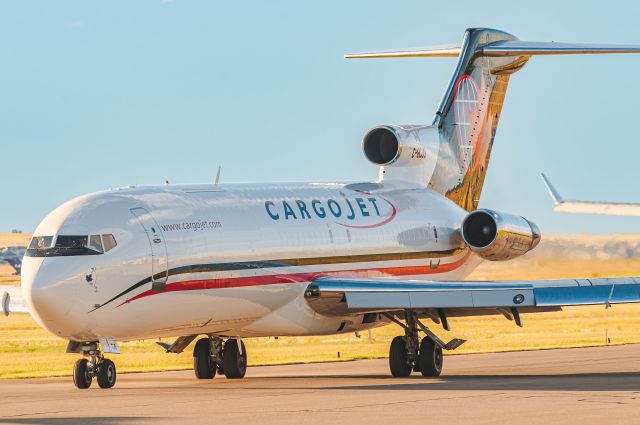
(468, 114)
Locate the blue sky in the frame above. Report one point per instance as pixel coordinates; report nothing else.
(99, 94)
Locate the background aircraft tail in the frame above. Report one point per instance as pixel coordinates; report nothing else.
(469, 112)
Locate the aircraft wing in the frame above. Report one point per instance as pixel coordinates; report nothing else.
(589, 207)
(334, 295)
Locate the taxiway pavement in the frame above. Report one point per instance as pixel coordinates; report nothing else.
(567, 386)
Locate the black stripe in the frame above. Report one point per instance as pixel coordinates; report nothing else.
(253, 265)
(126, 291)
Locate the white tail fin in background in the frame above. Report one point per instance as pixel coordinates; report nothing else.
(589, 207)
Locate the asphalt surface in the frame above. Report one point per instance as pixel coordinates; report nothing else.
(573, 386)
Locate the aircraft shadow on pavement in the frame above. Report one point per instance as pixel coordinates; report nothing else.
(615, 381)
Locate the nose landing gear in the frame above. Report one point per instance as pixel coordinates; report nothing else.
(97, 366)
(210, 355)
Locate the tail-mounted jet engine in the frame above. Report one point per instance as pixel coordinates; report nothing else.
(498, 236)
(403, 152)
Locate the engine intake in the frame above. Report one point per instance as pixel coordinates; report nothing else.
(499, 236)
(381, 146)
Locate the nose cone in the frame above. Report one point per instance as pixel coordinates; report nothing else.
(30, 267)
(49, 300)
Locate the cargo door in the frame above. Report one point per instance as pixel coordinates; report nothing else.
(158, 248)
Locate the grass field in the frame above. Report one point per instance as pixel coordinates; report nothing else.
(28, 351)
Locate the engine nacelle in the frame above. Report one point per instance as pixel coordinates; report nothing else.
(404, 152)
(498, 236)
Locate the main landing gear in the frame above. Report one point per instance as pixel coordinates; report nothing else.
(211, 356)
(96, 366)
(408, 354)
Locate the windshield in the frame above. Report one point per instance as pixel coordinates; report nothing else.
(70, 245)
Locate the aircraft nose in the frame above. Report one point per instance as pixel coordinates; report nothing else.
(34, 289)
(44, 296)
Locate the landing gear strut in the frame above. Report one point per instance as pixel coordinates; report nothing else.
(408, 354)
(210, 355)
(96, 366)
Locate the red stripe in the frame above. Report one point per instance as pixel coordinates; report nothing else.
(237, 282)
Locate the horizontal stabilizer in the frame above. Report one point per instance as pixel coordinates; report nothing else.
(446, 51)
(536, 48)
(503, 48)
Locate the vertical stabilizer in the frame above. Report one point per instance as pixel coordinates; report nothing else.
(468, 117)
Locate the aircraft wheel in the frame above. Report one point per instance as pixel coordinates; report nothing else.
(81, 376)
(106, 374)
(203, 364)
(398, 363)
(430, 358)
(234, 359)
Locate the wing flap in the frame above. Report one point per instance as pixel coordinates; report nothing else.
(439, 299)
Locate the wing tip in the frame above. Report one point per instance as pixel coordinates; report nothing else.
(555, 196)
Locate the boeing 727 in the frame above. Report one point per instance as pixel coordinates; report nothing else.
(231, 261)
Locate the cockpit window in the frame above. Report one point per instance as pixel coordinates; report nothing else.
(71, 242)
(70, 245)
(109, 242)
(95, 243)
(40, 242)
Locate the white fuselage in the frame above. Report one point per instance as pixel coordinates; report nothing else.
(238, 257)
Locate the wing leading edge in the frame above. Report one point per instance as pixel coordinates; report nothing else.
(331, 295)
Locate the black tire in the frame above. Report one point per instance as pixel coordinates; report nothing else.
(81, 377)
(106, 374)
(234, 364)
(398, 364)
(203, 364)
(430, 358)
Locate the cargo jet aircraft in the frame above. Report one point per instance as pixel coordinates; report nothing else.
(250, 260)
